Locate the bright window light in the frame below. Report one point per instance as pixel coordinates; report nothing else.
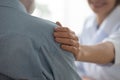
(71, 13)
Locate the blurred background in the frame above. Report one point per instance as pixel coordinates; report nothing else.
(71, 13)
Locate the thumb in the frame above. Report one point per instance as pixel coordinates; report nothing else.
(59, 24)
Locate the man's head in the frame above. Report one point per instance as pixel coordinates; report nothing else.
(29, 5)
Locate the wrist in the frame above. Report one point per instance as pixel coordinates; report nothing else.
(80, 56)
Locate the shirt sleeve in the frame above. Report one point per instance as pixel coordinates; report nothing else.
(115, 39)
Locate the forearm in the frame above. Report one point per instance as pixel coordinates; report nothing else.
(101, 53)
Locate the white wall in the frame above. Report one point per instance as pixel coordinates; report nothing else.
(71, 13)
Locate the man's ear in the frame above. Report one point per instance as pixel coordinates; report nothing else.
(29, 5)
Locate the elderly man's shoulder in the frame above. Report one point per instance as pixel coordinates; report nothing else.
(36, 21)
(35, 27)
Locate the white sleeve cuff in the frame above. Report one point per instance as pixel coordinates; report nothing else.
(116, 44)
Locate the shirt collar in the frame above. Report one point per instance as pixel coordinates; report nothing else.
(111, 21)
(16, 4)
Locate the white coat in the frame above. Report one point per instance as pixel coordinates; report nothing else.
(109, 31)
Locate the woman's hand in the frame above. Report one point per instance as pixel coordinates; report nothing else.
(67, 39)
(94, 53)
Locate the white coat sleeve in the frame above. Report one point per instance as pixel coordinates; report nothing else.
(115, 39)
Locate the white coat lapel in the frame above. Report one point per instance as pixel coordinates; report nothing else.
(108, 25)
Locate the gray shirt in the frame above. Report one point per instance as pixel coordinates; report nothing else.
(27, 47)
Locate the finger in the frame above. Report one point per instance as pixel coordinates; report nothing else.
(65, 35)
(59, 24)
(67, 42)
(71, 49)
(74, 35)
(62, 29)
(76, 38)
(74, 50)
(62, 35)
(87, 78)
